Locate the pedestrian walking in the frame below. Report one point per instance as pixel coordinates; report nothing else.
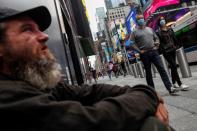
(93, 73)
(123, 60)
(115, 69)
(167, 47)
(122, 64)
(110, 69)
(146, 42)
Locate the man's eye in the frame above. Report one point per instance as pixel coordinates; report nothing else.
(27, 29)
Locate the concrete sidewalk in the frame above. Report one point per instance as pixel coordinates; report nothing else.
(182, 107)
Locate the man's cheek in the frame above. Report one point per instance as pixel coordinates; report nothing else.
(28, 52)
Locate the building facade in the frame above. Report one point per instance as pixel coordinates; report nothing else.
(128, 2)
(118, 12)
(100, 15)
(108, 4)
(113, 3)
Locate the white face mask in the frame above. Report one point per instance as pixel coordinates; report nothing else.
(162, 22)
(141, 22)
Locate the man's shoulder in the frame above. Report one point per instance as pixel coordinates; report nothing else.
(148, 28)
(15, 85)
(9, 83)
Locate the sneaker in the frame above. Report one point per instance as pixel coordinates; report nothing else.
(173, 90)
(176, 85)
(184, 87)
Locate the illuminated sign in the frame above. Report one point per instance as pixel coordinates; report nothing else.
(86, 12)
(186, 20)
(146, 4)
(120, 27)
(131, 21)
(156, 4)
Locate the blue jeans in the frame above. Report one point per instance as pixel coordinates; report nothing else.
(152, 56)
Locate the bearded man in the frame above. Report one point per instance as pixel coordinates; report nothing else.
(32, 99)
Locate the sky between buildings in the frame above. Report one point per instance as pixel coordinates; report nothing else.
(91, 6)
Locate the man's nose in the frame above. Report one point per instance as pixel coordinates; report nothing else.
(43, 37)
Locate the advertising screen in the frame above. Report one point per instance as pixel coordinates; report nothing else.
(131, 21)
(180, 13)
(146, 4)
(156, 4)
(120, 28)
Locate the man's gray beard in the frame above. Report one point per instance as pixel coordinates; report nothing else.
(42, 74)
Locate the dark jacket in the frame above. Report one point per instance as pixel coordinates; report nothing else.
(98, 107)
(168, 40)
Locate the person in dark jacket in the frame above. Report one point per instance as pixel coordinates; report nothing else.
(115, 69)
(168, 46)
(32, 97)
(93, 71)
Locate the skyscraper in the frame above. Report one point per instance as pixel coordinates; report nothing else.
(108, 4)
(100, 13)
(134, 1)
(113, 3)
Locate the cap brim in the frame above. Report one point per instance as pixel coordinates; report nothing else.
(40, 15)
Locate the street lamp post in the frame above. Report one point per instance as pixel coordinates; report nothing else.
(126, 60)
(108, 40)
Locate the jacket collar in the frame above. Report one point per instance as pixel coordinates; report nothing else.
(4, 77)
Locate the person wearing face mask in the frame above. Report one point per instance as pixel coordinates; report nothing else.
(168, 46)
(146, 42)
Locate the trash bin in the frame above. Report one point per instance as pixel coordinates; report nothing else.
(134, 68)
(140, 69)
(163, 60)
(183, 63)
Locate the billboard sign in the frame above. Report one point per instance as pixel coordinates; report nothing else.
(131, 21)
(186, 20)
(120, 27)
(146, 4)
(156, 4)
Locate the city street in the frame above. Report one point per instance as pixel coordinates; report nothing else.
(182, 107)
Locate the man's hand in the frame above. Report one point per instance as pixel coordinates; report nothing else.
(157, 44)
(142, 51)
(162, 113)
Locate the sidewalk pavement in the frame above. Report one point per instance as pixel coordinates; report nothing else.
(182, 107)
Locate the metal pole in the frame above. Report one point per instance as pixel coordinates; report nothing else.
(140, 69)
(134, 68)
(163, 60)
(183, 63)
(132, 73)
(127, 61)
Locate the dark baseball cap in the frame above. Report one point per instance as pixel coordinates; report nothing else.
(40, 15)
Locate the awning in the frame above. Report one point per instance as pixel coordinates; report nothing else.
(87, 45)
